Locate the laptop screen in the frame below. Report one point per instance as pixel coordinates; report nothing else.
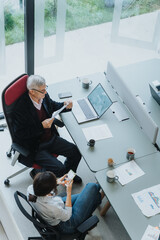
(99, 100)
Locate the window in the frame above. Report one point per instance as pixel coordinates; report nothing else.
(142, 28)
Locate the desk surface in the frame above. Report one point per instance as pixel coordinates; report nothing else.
(125, 133)
(123, 203)
(137, 77)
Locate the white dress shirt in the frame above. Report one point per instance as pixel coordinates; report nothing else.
(51, 208)
(37, 105)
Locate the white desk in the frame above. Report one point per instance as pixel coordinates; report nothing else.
(123, 203)
(125, 134)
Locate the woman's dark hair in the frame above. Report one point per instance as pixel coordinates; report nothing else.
(32, 198)
(44, 183)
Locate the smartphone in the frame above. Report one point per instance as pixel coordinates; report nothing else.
(64, 95)
(69, 177)
(71, 174)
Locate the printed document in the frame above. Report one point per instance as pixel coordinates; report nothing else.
(59, 111)
(128, 172)
(148, 200)
(151, 233)
(97, 132)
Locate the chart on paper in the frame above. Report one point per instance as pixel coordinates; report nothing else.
(148, 200)
(128, 172)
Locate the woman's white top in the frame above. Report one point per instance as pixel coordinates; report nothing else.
(51, 208)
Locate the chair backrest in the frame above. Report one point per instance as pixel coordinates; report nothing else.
(46, 231)
(10, 95)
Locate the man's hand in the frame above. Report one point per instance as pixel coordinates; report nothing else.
(70, 104)
(47, 123)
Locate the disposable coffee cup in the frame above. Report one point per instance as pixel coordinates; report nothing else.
(130, 154)
(111, 177)
(86, 83)
(91, 143)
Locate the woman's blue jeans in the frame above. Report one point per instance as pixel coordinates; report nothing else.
(83, 205)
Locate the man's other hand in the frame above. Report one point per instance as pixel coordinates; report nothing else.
(70, 104)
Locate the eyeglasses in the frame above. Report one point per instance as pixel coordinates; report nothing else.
(43, 91)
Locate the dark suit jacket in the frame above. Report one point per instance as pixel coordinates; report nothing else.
(26, 125)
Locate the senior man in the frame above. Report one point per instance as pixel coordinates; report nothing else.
(34, 128)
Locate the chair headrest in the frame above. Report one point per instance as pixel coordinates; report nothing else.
(15, 90)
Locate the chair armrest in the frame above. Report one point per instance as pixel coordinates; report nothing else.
(89, 224)
(20, 149)
(58, 123)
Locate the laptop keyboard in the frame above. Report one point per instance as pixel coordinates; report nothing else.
(86, 109)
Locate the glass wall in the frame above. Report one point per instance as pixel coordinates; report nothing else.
(11, 38)
(74, 37)
(82, 13)
(142, 26)
(49, 30)
(2, 39)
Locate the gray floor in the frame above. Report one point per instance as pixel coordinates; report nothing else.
(2, 233)
(109, 227)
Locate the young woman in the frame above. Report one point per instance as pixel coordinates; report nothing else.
(68, 212)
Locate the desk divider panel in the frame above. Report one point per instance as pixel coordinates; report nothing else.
(139, 112)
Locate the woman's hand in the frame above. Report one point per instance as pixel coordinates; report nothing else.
(69, 190)
(69, 186)
(62, 181)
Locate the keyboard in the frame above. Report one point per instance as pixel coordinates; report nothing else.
(86, 109)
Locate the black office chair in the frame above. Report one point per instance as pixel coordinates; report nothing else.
(10, 95)
(48, 232)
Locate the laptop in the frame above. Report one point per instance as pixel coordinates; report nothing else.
(93, 106)
(155, 92)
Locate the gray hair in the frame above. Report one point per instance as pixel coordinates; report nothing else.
(35, 81)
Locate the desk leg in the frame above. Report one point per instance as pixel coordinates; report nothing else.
(105, 208)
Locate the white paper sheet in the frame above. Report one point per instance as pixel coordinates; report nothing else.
(151, 233)
(128, 172)
(97, 132)
(148, 200)
(58, 111)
